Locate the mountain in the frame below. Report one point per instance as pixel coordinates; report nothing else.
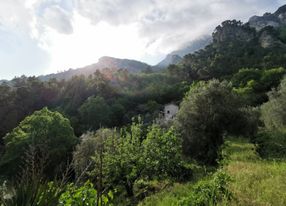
(193, 46)
(169, 59)
(259, 43)
(176, 56)
(104, 62)
(277, 19)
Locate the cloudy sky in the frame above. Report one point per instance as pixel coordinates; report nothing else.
(44, 36)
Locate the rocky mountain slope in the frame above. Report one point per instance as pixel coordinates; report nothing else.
(277, 19)
(176, 56)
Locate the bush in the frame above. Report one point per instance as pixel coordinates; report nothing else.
(271, 144)
(209, 192)
(83, 196)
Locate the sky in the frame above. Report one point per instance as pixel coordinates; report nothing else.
(47, 36)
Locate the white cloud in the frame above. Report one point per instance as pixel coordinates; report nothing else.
(172, 22)
(73, 33)
(14, 15)
(58, 19)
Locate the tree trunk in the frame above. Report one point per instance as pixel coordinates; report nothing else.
(129, 189)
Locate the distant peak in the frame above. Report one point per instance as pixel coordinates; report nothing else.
(282, 9)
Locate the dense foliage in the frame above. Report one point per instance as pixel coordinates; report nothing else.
(208, 112)
(46, 134)
(119, 158)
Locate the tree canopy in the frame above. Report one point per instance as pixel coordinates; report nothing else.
(47, 133)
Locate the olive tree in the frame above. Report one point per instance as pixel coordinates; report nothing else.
(209, 110)
(274, 111)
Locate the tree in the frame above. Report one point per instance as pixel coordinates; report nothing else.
(88, 158)
(274, 112)
(123, 160)
(82, 161)
(49, 133)
(95, 113)
(208, 111)
(163, 154)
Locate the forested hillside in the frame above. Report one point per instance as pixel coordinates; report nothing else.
(101, 138)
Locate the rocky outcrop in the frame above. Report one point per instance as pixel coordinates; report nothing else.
(276, 19)
(176, 56)
(266, 40)
(233, 30)
(193, 46)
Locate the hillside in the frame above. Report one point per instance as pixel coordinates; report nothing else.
(277, 19)
(104, 62)
(253, 181)
(207, 131)
(176, 56)
(238, 45)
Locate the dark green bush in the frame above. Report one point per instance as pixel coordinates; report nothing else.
(271, 144)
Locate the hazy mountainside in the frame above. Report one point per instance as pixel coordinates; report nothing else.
(104, 62)
(169, 59)
(237, 45)
(176, 56)
(277, 19)
(114, 64)
(193, 46)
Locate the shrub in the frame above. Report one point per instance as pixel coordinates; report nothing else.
(209, 192)
(83, 196)
(271, 144)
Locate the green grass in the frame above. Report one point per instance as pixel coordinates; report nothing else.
(168, 197)
(255, 181)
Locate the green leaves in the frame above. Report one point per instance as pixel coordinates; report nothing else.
(162, 153)
(209, 192)
(208, 111)
(274, 111)
(48, 133)
(95, 113)
(85, 195)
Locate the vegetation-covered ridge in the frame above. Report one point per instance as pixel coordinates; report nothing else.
(102, 139)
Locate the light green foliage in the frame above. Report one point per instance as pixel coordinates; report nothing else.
(209, 192)
(252, 84)
(274, 111)
(162, 153)
(123, 159)
(84, 195)
(48, 133)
